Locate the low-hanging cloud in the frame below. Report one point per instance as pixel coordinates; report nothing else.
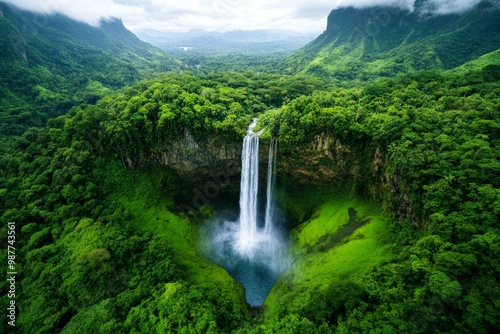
(221, 15)
(451, 6)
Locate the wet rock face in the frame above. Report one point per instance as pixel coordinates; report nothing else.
(361, 167)
(198, 160)
(195, 161)
(326, 160)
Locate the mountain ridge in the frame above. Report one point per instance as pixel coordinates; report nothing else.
(235, 40)
(51, 63)
(365, 44)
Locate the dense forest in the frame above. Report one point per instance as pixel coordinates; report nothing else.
(52, 63)
(389, 180)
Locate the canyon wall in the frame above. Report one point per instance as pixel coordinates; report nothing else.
(357, 168)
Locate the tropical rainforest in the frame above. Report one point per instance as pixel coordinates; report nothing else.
(117, 155)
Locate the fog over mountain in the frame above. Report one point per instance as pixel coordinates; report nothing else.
(221, 15)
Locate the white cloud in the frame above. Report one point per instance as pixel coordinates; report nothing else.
(90, 11)
(452, 6)
(219, 15)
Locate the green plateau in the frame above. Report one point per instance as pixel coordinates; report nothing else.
(117, 160)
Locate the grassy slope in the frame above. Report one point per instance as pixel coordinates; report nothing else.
(321, 259)
(492, 58)
(143, 195)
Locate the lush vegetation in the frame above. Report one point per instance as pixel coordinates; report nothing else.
(109, 250)
(408, 243)
(362, 45)
(441, 135)
(93, 233)
(51, 63)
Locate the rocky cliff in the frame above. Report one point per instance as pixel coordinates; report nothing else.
(195, 161)
(214, 164)
(360, 169)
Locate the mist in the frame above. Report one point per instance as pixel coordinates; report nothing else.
(221, 15)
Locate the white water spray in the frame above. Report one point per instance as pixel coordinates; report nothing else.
(249, 191)
(255, 254)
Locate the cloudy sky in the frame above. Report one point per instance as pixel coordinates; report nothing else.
(217, 15)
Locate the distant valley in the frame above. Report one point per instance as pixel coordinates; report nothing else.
(232, 41)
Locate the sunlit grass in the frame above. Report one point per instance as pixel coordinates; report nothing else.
(314, 271)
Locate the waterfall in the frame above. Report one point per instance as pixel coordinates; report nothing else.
(271, 180)
(249, 234)
(253, 255)
(249, 190)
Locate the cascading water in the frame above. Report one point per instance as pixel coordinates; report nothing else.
(249, 191)
(255, 254)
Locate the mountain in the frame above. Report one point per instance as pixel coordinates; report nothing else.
(51, 63)
(364, 44)
(237, 40)
(489, 60)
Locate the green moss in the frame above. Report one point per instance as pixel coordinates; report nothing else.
(328, 218)
(327, 252)
(301, 202)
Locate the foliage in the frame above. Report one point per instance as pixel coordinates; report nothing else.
(100, 248)
(441, 135)
(87, 263)
(363, 45)
(94, 238)
(147, 116)
(51, 63)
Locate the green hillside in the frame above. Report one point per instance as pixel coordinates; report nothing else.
(491, 60)
(364, 44)
(51, 63)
